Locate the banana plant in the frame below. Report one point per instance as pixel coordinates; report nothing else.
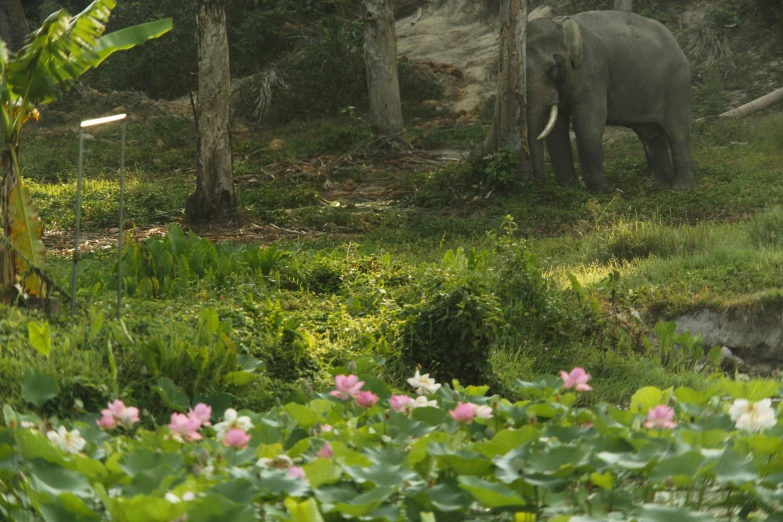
(50, 61)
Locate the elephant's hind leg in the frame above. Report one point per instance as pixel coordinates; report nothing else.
(678, 129)
(656, 148)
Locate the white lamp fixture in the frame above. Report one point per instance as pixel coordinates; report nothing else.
(101, 121)
(78, 212)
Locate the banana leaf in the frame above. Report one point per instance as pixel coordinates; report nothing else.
(26, 232)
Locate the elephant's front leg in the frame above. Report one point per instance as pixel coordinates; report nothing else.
(560, 154)
(589, 120)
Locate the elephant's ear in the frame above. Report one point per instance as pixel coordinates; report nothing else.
(572, 37)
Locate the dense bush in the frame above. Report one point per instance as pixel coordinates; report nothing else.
(452, 329)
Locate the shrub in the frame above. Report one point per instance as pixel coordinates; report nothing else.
(530, 302)
(451, 330)
(323, 275)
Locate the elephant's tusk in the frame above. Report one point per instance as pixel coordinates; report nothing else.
(550, 124)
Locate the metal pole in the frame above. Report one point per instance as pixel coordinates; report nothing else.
(119, 243)
(78, 218)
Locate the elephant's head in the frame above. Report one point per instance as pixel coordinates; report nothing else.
(554, 51)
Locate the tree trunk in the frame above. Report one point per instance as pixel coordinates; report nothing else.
(13, 24)
(623, 5)
(7, 266)
(380, 58)
(214, 197)
(759, 104)
(509, 123)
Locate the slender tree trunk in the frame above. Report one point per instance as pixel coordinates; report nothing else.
(509, 123)
(380, 58)
(7, 267)
(759, 104)
(623, 5)
(214, 197)
(13, 24)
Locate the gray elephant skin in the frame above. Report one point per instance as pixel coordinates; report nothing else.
(607, 67)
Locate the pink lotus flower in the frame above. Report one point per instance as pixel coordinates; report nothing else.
(184, 427)
(365, 399)
(127, 416)
(347, 386)
(325, 452)
(327, 428)
(202, 412)
(236, 439)
(660, 417)
(107, 422)
(463, 413)
(296, 472)
(577, 378)
(401, 402)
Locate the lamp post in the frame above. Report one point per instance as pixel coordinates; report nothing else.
(78, 213)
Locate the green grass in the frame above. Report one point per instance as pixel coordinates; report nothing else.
(328, 303)
(665, 270)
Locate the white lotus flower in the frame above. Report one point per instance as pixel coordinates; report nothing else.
(753, 416)
(421, 400)
(231, 421)
(174, 499)
(482, 412)
(423, 384)
(70, 441)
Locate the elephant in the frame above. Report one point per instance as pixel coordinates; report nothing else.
(600, 68)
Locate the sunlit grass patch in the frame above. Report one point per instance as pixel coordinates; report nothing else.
(146, 202)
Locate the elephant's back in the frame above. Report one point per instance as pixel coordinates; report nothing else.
(633, 39)
(618, 29)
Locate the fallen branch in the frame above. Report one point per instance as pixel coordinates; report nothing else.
(756, 105)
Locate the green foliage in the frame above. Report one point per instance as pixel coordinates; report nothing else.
(683, 351)
(456, 321)
(37, 389)
(498, 171)
(766, 229)
(537, 458)
(165, 266)
(529, 301)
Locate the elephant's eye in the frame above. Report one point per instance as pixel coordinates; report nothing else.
(553, 73)
(558, 71)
